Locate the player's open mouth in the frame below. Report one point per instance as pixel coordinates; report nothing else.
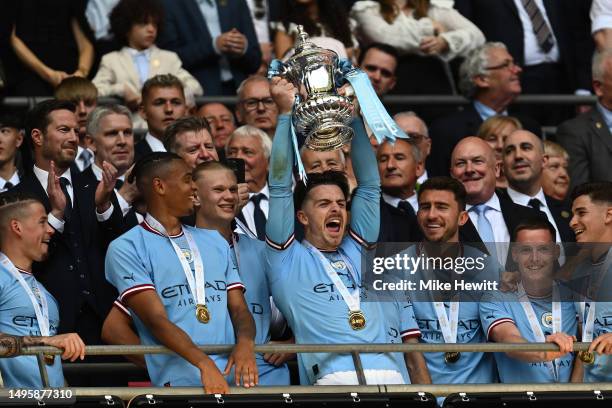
(578, 231)
(333, 225)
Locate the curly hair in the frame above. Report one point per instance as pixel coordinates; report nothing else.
(127, 13)
(390, 11)
(332, 16)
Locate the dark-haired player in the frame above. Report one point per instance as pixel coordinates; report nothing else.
(29, 315)
(180, 284)
(317, 283)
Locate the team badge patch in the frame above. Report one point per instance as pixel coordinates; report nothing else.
(339, 265)
(547, 319)
(187, 255)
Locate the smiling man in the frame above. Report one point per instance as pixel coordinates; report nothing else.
(327, 305)
(163, 102)
(24, 239)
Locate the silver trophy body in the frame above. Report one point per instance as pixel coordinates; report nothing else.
(321, 115)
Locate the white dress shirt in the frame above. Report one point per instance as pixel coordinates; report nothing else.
(14, 180)
(154, 143)
(423, 178)
(498, 225)
(394, 201)
(264, 204)
(601, 15)
(523, 199)
(533, 53)
(43, 177)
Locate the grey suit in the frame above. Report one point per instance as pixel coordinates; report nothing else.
(588, 142)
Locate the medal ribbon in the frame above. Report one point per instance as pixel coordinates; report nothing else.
(351, 300)
(41, 309)
(448, 325)
(536, 329)
(197, 285)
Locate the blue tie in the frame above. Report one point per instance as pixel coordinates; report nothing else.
(484, 228)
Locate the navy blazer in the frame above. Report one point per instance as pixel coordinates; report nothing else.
(186, 33)
(499, 21)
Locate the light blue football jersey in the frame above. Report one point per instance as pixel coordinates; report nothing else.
(17, 317)
(601, 369)
(505, 307)
(301, 288)
(248, 258)
(471, 367)
(143, 259)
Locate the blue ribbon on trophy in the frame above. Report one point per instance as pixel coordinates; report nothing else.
(323, 116)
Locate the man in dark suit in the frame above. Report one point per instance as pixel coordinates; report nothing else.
(82, 215)
(399, 165)
(523, 159)
(588, 137)
(490, 78)
(492, 216)
(163, 102)
(215, 40)
(550, 39)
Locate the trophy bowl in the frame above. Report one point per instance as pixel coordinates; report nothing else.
(321, 116)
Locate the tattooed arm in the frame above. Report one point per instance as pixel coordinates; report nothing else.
(12, 344)
(70, 343)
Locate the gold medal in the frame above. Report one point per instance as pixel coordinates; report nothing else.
(202, 314)
(49, 359)
(357, 320)
(587, 357)
(451, 357)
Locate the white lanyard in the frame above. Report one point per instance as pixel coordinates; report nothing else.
(588, 321)
(236, 252)
(536, 329)
(351, 300)
(41, 309)
(448, 325)
(197, 285)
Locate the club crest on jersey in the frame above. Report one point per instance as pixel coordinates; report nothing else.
(339, 265)
(187, 255)
(547, 319)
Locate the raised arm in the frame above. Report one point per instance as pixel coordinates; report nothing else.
(365, 206)
(280, 225)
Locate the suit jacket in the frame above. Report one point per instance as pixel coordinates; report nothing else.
(74, 271)
(588, 142)
(447, 131)
(141, 149)
(569, 19)
(117, 70)
(186, 33)
(397, 226)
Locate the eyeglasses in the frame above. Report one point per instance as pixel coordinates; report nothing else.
(385, 73)
(416, 137)
(507, 64)
(252, 103)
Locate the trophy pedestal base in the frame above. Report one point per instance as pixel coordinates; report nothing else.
(329, 136)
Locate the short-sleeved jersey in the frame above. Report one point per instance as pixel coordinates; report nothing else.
(317, 313)
(471, 367)
(503, 307)
(248, 257)
(17, 317)
(143, 259)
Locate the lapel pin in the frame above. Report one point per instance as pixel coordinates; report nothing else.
(565, 214)
(155, 63)
(598, 125)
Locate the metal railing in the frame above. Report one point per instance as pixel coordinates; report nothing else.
(389, 100)
(353, 349)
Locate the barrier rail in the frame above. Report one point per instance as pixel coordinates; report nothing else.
(390, 100)
(353, 349)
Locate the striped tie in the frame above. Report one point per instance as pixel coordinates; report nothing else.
(540, 28)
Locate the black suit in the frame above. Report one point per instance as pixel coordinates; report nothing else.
(74, 270)
(141, 149)
(588, 142)
(396, 225)
(447, 131)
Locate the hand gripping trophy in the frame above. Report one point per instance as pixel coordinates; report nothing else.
(320, 114)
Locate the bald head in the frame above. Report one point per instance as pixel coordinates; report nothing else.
(473, 164)
(523, 159)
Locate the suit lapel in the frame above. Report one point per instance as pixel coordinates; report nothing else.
(83, 194)
(195, 13)
(31, 183)
(468, 232)
(599, 127)
(224, 16)
(512, 7)
(562, 217)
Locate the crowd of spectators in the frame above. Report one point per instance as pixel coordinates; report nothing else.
(157, 56)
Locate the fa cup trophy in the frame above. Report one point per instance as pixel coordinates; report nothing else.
(321, 115)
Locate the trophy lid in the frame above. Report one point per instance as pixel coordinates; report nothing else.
(302, 42)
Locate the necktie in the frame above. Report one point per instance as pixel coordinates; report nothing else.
(406, 207)
(540, 28)
(535, 204)
(259, 216)
(8, 185)
(484, 228)
(118, 184)
(86, 158)
(64, 183)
